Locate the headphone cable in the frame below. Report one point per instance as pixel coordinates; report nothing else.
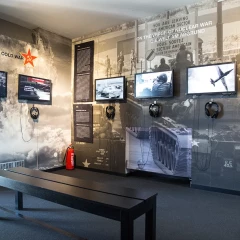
(142, 149)
(202, 163)
(22, 127)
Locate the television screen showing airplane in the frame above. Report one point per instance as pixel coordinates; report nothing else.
(212, 79)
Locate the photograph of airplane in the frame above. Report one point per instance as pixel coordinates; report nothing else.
(221, 77)
(212, 79)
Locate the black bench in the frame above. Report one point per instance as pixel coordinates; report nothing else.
(117, 203)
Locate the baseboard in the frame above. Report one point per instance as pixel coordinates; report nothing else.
(214, 189)
(102, 171)
(160, 177)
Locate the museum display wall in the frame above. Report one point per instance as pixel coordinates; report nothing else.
(41, 143)
(196, 134)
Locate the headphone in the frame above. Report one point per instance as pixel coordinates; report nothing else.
(34, 112)
(211, 112)
(154, 110)
(110, 112)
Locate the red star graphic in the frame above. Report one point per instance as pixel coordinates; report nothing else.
(28, 58)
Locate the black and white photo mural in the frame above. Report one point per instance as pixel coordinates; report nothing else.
(35, 144)
(159, 149)
(179, 40)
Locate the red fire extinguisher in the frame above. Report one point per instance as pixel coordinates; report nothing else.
(69, 156)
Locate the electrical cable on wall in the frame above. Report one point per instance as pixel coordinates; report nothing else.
(211, 144)
(202, 163)
(141, 163)
(208, 159)
(37, 151)
(22, 127)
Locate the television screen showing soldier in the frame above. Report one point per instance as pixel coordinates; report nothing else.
(154, 85)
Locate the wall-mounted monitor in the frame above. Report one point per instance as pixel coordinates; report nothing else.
(34, 89)
(212, 79)
(154, 85)
(107, 89)
(3, 84)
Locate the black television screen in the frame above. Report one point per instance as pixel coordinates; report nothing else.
(110, 89)
(212, 79)
(3, 84)
(34, 89)
(154, 85)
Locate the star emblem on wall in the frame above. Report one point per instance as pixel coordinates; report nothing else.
(86, 163)
(195, 143)
(28, 58)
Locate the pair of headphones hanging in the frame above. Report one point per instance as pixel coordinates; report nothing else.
(154, 110)
(110, 112)
(34, 112)
(212, 109)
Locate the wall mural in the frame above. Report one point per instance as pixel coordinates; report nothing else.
(203, 33)
(40, 144)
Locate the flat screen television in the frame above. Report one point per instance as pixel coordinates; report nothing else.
(110, 89)
(34, 89)
(212, 79)
(3, 84)
(154, 85)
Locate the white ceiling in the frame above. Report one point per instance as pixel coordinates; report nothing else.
(75, 18)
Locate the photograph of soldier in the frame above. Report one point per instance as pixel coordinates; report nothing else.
(206, 60)
(104, 131)
(133, 61)
(155, 69)
(184, 58)
(120, 63)
(237, 59)
(154, 85)
(108, 67)
(163, 66)
(161, 86)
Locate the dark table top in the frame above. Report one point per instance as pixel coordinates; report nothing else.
(11, 179)
(86, 184)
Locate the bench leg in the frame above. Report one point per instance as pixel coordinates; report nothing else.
(126, 227)
(18, 200)
(150, 222)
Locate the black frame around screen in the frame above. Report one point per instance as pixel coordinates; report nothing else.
(213, 93)
(4, 95)
(31, 99)
(111, 99)
(150, 97)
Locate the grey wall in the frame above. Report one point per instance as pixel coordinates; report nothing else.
(15, 31)
(38, 144)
